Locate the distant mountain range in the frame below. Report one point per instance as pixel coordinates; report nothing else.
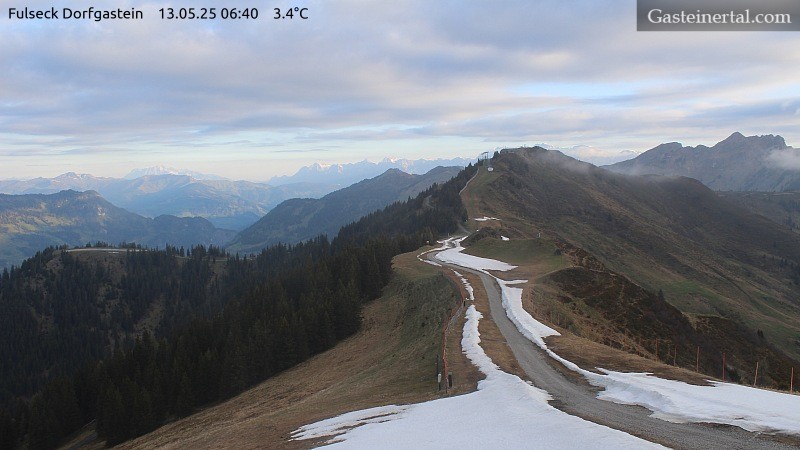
(29, 223)
(738, 163)
(163, 170)
(300, 219)
(227, 204)
(347, 174)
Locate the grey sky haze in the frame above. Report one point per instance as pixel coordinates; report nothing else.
(371, 79)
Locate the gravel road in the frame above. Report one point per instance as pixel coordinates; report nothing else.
(577, 398)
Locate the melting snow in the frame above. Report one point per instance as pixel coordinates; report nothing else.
(725, 403)
(467, 286)
(428, 261)
(746, 407)
(454, 255)
(505, 412)
(485, 218)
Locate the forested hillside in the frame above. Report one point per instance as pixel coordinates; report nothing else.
(228, 204)
(300, 219)
(65, 308)
(29, 223)
(288, 303)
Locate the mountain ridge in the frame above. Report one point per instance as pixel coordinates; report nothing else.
(299, 219)
(32, 222)
(668, 233)
(165, 170)
(737, 163)
(349, 173)
(227, 204)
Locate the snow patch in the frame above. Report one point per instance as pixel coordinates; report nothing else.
(467, 286)
(505, 412)
(675, 401)
(485, 218)
(454, 255)
(515, 414)
(525, 323)
(752, 409)
(337, 425)
(504, 238)
(433, 263)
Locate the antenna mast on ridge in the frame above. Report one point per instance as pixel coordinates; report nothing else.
(485, 157)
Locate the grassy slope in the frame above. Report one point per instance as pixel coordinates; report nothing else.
(782, 208)
(300, 219)
(577, 294)
(390, 360)
(709, 257)
(538, 252)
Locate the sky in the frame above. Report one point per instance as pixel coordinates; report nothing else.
(250, 99)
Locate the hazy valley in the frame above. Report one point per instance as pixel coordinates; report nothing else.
(201, 209)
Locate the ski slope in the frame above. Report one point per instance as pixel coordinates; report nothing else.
(507, 412)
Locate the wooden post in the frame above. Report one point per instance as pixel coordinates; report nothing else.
(697, 361)
(791, 382)
(755, 379)
(723, 366)
(674, 354)
(657, 358)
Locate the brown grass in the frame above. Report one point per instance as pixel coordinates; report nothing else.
(465, 375)
(591, 355)
(535, 261)
(390, 361)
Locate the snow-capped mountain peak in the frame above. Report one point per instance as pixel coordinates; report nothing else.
(165, 170)
(347, 174)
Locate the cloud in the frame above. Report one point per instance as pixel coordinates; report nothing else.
(597, 156)
(786, 159)
(432, 73)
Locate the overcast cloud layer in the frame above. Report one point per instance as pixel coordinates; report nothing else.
(364, 79)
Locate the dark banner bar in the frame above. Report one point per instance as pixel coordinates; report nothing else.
(718, 15)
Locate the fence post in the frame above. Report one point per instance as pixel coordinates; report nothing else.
(697, 361)
(723, 366)
(755, 379)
